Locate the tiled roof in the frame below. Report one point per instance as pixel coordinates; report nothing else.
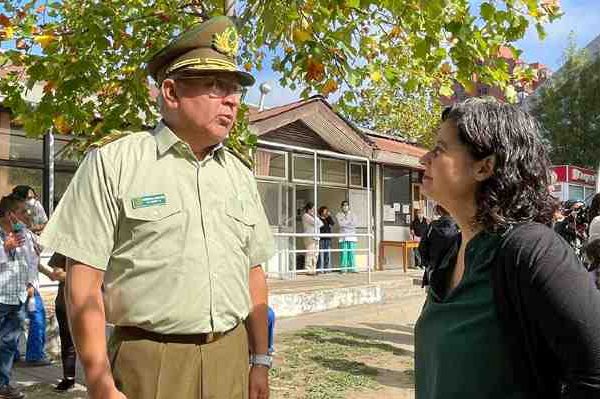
(398, 147)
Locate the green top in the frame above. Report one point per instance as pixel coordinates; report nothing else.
(176, 236)
(460, 351)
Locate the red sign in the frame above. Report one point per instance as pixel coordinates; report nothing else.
(581, 175)
(559, 174)
(573, 174)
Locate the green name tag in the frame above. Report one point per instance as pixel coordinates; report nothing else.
(149, 200)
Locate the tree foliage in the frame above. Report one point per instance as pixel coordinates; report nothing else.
(377, 55)
(567, 108)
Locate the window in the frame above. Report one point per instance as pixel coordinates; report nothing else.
(357, 175)
(483, 91)
(576, 193)
(61, 182)
(271, 164)
(396, 196)
(304, 168)
(60, 156)
(333, 171)
(14, 145)
(11, 176)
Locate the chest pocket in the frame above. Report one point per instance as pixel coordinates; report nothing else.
(155, 232)
(241, 218)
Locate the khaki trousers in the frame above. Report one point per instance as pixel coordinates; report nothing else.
(147, 369)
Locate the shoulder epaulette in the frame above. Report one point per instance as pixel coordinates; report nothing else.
(245, 159)
(109, 138)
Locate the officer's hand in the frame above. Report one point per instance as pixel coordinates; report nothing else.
(13, 241)
(259, 382)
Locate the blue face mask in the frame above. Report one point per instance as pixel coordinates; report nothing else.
(18, 227)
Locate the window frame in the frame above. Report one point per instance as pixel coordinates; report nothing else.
(362, 175)
(329, 183)
(296, 180)
(273, 178)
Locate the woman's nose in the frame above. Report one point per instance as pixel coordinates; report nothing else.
(424, 160)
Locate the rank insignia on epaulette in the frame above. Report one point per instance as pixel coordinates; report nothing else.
(109, 138)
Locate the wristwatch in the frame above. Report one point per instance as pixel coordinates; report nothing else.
(261, 360)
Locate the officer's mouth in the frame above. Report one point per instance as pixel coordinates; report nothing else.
(225, 119)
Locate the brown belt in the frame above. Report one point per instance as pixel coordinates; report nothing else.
(128, 333)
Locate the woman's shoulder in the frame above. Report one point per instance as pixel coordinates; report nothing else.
(535, 244)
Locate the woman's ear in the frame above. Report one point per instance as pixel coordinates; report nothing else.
(484, 168)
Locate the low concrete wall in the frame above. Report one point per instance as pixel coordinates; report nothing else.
(319, 300)
(293, 304)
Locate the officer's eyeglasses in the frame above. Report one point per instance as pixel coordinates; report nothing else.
(217, 87)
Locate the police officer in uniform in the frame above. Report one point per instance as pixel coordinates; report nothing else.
(172, 224)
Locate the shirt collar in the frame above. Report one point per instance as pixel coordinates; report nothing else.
(165, 138)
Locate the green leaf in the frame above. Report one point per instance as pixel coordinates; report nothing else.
(446, 90)
(487, 11)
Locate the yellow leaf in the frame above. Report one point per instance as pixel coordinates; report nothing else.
(446, 91)
(9, 32)
(511, 94)
(300, 36)
(329, 87)
(61, 125)
(376, 76)
(44, 40)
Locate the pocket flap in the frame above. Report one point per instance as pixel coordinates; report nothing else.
(149, 213)
(242, 211)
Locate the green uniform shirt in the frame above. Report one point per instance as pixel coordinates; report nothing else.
(176, 236)
(460, 350)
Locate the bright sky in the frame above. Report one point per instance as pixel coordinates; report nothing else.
(581, 16)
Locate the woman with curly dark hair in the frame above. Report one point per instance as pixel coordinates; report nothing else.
(510, 311)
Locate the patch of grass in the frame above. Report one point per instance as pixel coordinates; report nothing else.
(321, 363)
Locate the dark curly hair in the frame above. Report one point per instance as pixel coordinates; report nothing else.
(517, 191)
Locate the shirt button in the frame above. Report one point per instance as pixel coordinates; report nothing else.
(155, 213)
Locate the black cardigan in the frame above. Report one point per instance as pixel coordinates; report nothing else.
(550, 310)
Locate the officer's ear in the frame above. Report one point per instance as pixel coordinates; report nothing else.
(169, 95)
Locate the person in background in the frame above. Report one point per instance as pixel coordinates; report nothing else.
(324, 261)
(573, 228)
(592, 247)
(347, 222)
(35, 209)
(437, 241)
(16, 286)
(67, 348)
(35, 355)
(418, 229)
(510, 312)
(311, 244)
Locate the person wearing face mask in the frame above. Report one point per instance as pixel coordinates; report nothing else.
(16, 286)
(309, 221)
(35, 210)
(347, 222)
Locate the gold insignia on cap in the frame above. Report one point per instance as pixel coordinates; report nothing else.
(226, 42)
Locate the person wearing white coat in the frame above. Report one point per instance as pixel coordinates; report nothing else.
(309, 220)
